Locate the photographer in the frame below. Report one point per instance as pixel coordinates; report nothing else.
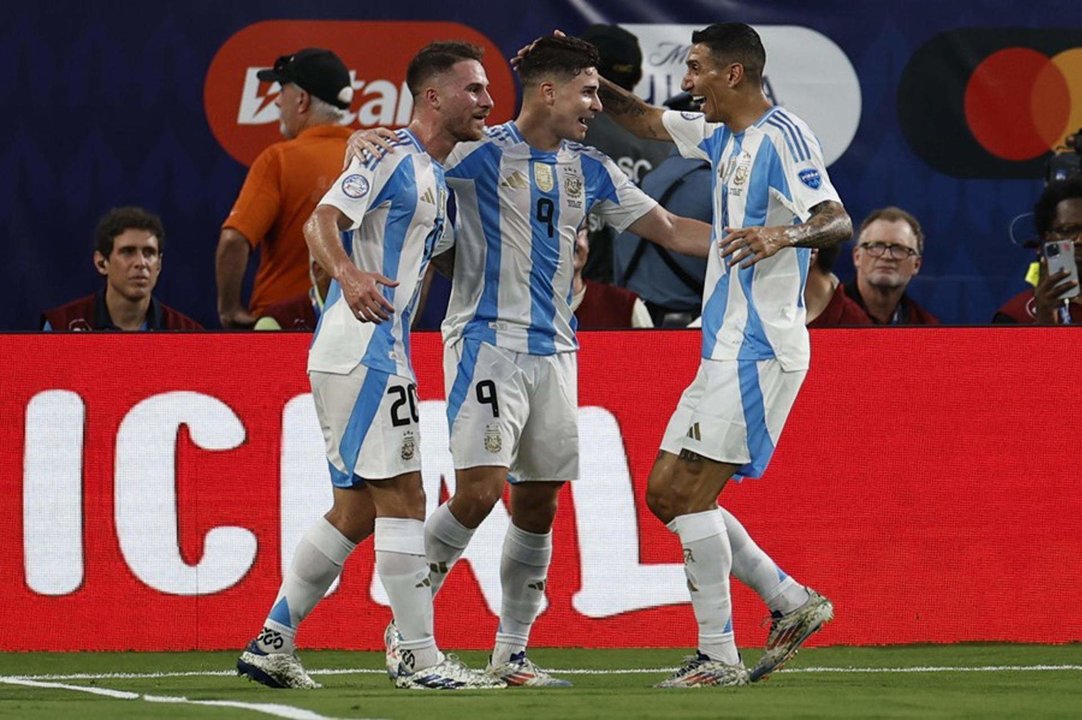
(1054, 300)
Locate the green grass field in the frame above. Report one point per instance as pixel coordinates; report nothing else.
(943, 681)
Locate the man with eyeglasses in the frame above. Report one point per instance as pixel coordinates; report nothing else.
(1057, 216)
(887, 257)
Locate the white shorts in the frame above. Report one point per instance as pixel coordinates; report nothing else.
(513, 409)
(370, 424)
(733, 412)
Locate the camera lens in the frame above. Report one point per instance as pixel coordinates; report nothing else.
(1051, 250)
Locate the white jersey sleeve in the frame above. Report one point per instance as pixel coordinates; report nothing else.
(806, 180)
(354, 189)
(625, 203)
(689, 131)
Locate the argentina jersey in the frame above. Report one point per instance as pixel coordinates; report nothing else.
(770, 174)
(397, 205)
(519, 209)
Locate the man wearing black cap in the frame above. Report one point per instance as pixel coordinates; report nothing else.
(284, 184)
(620, 63)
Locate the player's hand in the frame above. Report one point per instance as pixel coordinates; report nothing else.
(525, 50)
(361, 290)
(375, 142)
(747, 246)
(236, 318)
(1048, 295)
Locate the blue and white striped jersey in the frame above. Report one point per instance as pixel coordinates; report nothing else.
(398, 207)
(770, 174)
(519, 209)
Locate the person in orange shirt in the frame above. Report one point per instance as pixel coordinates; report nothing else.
(284, 185)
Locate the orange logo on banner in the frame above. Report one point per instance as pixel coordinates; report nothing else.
(240, 109)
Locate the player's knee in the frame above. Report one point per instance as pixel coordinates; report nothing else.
(472, 504)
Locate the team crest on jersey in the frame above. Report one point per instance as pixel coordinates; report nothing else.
(542, 175)
(573, 186)
(355, 186)
(409, 445)
(493, 440)
(811, 178)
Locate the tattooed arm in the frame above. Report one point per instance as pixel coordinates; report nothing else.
(632, 113)
(828, 225)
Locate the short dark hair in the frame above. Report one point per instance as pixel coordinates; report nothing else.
(894, 214)
(117, 220)
(1044, 212)
(437, 57)
(734, 42)
(563, 57)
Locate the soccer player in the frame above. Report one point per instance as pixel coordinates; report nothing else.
(510, 362)
(773, 201)
(363, 384)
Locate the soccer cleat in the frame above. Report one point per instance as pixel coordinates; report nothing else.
(520, 671)
(391, 639)
(276, 670)
(788, 632)
(451, 674)
(699, 670)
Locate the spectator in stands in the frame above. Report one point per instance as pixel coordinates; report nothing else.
(826, 303)
(600, 306)
(887, 256)
(621, 63)
(670, 284)
(283, 186)
(302, 311)
(1058, 216)
(128, 247)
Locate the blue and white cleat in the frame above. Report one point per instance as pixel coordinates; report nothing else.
(451, 674)
(520, 671)
(788, 632)
(276, 670)
(699, 670)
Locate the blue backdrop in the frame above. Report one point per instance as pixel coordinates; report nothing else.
(104, 106)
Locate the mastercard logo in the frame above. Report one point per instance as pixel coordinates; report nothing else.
(992, 103)
(240, 108)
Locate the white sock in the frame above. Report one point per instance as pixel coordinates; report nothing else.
(445, 541)
(757, 570)
(524, 567)
(707, 561)
(400, 562)
(316, 562)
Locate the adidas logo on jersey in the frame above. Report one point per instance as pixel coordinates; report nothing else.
(428, 197)
(515, 181)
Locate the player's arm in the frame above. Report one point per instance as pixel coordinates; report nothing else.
(829, 224)
(369, 143)
(360, 289)
(230, 263)
(673, 232)
(631, 112)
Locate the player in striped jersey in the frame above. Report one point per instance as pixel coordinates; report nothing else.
(773, 201)
(392, 213)
(510, 363)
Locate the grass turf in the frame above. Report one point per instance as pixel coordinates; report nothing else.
(827, 682)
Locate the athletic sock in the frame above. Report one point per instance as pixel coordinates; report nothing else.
(524, 567)
(400, 562)
(757, 570)
(707, 561)
(316, 562)
(445, 541)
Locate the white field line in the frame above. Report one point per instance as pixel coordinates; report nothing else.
(561, 671)
(273, 709)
